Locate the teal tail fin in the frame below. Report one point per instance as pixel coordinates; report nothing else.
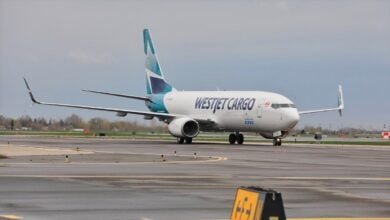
(155, 82)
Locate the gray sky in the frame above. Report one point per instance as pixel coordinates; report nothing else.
(301, 49)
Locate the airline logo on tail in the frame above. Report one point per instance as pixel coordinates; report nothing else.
(155, 82)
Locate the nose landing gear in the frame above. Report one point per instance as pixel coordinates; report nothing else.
(237, 137)
(277, 142)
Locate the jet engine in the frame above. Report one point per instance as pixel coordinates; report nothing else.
(272, 135)
(184, 127)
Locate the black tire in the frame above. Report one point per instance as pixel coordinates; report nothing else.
(240, 139)
(232, 138)
(188, 140)
(277, 142)
(180, 140)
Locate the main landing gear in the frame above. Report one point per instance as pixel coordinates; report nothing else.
(277, 142)
(182, 140)
(237, 137)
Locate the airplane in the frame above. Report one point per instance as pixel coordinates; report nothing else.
(187, 113)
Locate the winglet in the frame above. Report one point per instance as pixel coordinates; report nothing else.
(30, 93)
(341, 101)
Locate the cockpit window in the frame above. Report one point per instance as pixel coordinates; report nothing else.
(284, 105)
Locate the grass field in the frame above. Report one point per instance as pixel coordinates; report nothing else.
(219, 137)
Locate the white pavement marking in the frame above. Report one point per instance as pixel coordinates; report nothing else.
(119, 176)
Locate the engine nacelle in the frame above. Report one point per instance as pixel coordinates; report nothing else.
(184, 127)
(121, 114)
(272, 135)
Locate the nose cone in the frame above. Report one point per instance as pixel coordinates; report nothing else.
(291, 118)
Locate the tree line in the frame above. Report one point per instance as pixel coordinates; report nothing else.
(104, 125)
(76, 122)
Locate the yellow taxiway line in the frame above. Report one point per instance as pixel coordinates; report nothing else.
(10, 217)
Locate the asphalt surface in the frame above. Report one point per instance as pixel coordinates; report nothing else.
(127, 180)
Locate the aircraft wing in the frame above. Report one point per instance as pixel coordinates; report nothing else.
(319, 110)
(340, 107)
(120, 95)
(120, 112)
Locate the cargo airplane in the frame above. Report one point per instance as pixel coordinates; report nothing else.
(188, 112)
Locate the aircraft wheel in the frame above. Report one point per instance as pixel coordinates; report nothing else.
(180, 140)
(232, 138)
(188, 140)
(277, 142)
(240, 139)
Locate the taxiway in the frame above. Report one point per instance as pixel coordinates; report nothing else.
(126, 179)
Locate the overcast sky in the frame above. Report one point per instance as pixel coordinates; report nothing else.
(301, 49)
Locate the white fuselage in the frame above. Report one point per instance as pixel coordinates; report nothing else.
(235, 110)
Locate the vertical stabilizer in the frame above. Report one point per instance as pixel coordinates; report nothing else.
(155, 82)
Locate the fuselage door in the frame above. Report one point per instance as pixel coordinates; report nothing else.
(259, 111)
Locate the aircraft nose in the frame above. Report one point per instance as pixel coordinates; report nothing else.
(292, 118)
